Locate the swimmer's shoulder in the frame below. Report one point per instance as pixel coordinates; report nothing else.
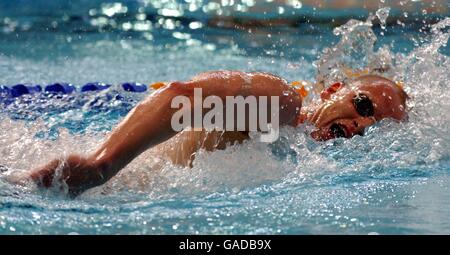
(256, 76)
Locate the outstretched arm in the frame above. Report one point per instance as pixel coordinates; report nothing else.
(149, 124)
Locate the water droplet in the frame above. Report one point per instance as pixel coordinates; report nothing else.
(382, 15)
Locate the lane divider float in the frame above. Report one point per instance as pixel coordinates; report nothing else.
(64, 88)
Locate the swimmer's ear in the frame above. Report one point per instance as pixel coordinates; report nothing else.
(326, 93)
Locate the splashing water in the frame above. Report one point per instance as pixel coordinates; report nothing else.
(355, 54)
(382, 15)
(382, 182)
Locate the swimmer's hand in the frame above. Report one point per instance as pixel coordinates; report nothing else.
(75, 175)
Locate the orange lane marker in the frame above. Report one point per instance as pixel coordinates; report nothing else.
(400, 84)
(158, 85)
(302, 91)
(355, 73)
(300, 88)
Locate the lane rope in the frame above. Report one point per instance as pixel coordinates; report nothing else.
(64, 88)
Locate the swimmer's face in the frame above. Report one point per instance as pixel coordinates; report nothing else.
(346, 110)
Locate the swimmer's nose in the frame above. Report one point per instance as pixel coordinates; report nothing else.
(331, 111)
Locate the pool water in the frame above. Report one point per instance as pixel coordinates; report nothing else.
(393, 180)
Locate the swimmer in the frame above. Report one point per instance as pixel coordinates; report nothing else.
(344, 110)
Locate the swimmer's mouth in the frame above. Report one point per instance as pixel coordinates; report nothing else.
(338, 130)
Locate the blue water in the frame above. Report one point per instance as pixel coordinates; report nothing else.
(393, 180)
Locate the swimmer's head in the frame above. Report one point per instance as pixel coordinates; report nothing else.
(346, 110)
